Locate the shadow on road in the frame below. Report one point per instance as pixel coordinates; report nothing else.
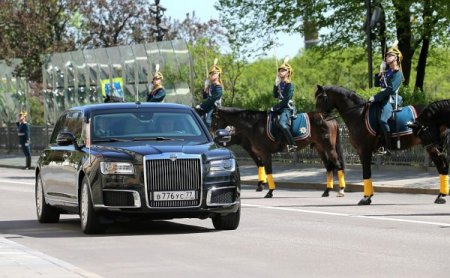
(71, 228)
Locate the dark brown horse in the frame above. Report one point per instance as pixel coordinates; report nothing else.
(352, 108)
(249, 130)
(431, 126)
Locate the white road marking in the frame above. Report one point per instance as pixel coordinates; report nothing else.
(351, 215)
(17, 182)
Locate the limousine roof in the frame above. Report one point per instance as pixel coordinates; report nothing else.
(127, 105)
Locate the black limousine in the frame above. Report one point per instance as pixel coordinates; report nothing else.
(136, 159)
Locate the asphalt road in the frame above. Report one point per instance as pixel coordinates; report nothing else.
(296, 234)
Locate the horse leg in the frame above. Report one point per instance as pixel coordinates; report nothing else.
(329, 168)
(366, 159)
(339, 163)
(270, 181)
(441, 164)
(262, 178)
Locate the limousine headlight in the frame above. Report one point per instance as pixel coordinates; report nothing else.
(108, 168)
(225, 165)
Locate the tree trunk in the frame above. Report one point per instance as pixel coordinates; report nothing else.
(422, 63)
(404, 35)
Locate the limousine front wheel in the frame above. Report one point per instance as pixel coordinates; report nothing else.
(227, 222)
(89, 219)
(45, 213)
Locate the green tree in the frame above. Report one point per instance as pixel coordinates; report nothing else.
(31, 28)
(416, 24)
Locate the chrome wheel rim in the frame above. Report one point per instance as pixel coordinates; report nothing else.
(39, 198)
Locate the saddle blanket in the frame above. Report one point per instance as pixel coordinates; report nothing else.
(300, 127)
(398, 126)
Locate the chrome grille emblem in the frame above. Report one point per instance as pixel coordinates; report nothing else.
(173, 157)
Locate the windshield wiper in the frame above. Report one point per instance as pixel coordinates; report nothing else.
(159, 138)
(111, 140)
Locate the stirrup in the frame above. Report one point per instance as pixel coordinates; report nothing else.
(291, 148)
(383, 151)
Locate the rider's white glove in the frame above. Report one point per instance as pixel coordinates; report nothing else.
(206, 83)
(383, 67)
(198, 107)
(371, 99)
(277, 81)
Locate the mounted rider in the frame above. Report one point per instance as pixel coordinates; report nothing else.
(212, 94)
(283, 90)
(390, 80)
(156, 93)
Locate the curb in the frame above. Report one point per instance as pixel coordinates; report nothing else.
(350, 187)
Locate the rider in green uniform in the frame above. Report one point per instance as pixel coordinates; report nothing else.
(212, 94)
(390, 82)
(157, 93)
(283, 90)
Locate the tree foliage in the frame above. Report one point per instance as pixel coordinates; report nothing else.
(413, 22)
(31, 28)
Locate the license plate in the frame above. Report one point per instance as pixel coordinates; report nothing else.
(173, 195)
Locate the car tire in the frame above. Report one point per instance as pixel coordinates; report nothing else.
(90, 222)
(45, 213)
(227, 222)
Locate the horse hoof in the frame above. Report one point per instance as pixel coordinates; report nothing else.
(325, 193)
(364, 202)
(440, 201)
(340, 194)
(269, 194)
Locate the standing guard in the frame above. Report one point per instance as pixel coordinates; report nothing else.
(23, 131)
(284, 109)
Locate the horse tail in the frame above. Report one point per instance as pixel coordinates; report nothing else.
(339, 149)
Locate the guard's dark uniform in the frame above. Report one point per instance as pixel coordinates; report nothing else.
(212, 94)
(212, 97)
(390, 83)
(23, 131)
(157, 93)
(284, 92)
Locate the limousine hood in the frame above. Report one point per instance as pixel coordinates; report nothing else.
(132, 151)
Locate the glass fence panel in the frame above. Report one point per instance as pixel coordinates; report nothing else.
(87, 76)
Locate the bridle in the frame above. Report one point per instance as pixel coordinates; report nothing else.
(323, 95)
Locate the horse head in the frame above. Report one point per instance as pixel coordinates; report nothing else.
(323, 103)
(344, 100)
(219, 121)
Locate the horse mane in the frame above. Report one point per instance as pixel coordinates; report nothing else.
(352, 95)
(434, 111)
(248, 115)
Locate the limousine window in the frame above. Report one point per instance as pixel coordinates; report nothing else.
(131, 125)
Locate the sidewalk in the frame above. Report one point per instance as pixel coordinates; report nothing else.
(394, 179)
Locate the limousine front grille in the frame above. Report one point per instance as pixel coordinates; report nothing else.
(174, 176)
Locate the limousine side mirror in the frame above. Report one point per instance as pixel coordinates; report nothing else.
(222, 136)
(65, 139)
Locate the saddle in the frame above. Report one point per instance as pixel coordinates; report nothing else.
(398, 123)
(299, 127)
